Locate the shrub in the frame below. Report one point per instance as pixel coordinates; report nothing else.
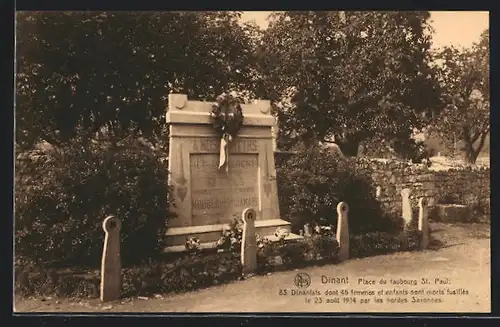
(372, 244)
(323, 247)
(377, 243)
(481, 210)
(311, 184)
(410, 240)
(188, 272)
(416, 151)
(53, 283)
(63, 194)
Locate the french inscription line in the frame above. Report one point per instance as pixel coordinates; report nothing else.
(207, 204)
(260, 137)
(224, 190)
(211, 145)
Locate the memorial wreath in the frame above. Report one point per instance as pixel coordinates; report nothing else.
(227, 119)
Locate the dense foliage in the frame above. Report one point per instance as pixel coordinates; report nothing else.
(348, 76)
(332, 76)
(312, 183)
(376, 243)
(114, 70)
(63, 195)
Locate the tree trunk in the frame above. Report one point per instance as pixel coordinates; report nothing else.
(349, 147)
(469, 154)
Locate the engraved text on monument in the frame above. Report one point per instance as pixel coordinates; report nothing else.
(216, 196)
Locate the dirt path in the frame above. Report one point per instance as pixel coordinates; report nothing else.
(458, 276)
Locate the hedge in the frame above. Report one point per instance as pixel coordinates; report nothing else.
(311, 184)
(63, 194)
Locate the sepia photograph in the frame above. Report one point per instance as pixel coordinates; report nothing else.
(252, 162)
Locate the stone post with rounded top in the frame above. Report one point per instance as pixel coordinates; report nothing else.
(407, 213)
(423, 221)
(111, 262)
(343, 230)
(249, 241)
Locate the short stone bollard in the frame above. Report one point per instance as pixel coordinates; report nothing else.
(407, 210)
(307, 230)
(249, 242)
(423, 221)
(343, 230)
(111, 262)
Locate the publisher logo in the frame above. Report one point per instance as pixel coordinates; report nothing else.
(302, 280)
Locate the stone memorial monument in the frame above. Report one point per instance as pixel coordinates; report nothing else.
(206, 197)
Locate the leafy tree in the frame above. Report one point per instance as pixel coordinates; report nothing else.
(114, 70)
(464, 75)
(347, 75)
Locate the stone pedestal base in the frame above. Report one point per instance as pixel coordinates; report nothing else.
(451, 213)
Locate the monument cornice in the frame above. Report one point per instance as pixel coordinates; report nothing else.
(182, 111)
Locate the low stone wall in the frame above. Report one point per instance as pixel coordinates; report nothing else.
(462, 185)
(459, 185)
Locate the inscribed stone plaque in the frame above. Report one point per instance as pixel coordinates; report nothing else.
(217, 195)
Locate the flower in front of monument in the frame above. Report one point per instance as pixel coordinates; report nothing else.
(326, 230)
(231, 235)
(281, 233)
(226, 233)
(261, 241)
(192, 244)
(221, 242)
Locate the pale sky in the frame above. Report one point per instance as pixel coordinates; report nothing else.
(458, 28)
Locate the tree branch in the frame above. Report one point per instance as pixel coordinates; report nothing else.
(476, 136)
(480, 145)
(487, 129)
(483, 129)
(486, 126)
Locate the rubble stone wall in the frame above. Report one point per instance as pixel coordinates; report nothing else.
(461, 185)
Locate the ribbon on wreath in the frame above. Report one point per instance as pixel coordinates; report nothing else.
(224, 152)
